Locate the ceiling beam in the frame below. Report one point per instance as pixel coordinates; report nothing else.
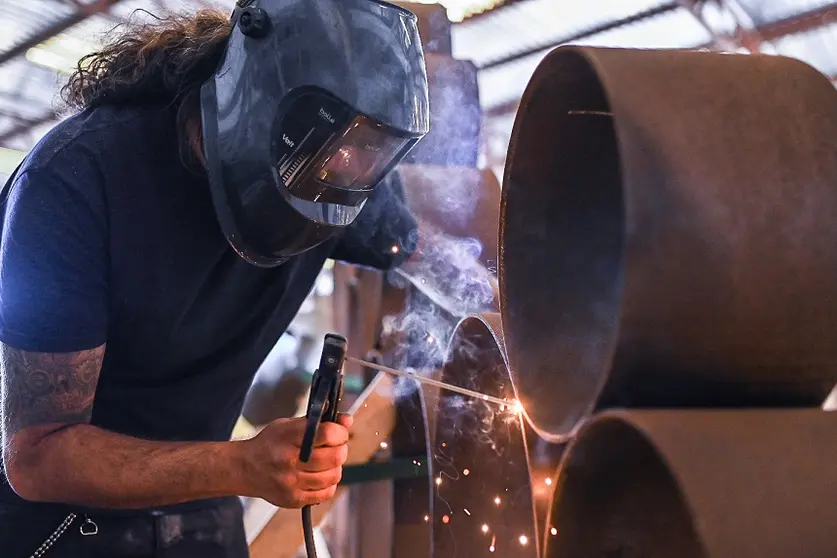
(659, 10)
(744, 33)
(799, 23)
(767, 32)
(81, 14)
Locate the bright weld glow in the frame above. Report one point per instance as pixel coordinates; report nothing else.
(426, 518)
(394, 249)
(384, 445)
(484, 528)
(466, 472)
(497, 500)
(548, 481)
(553, 531)
(438, 481)
(445, 519)
(524, 540)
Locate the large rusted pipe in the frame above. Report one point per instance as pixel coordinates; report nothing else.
(698, 484)
(667, 234)
(486, 491)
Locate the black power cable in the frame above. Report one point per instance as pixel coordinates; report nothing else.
(324, 399)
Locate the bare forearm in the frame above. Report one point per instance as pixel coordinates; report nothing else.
(88, 466)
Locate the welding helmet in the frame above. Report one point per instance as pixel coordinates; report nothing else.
(314, 102)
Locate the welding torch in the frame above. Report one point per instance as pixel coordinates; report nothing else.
(324, 399)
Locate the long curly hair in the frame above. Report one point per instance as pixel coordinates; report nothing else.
(164, 61)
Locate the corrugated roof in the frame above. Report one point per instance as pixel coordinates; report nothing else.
(674, 29)
(527, 24)
(510, 41)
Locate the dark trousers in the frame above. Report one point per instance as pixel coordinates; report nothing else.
(213, 532)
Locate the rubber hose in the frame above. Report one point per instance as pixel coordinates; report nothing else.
(308, 531)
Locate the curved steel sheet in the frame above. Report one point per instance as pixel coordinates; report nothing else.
(411, 500)
(667, 234)
(698, 484)
(483, 503)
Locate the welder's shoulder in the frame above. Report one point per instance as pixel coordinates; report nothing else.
(77, 147)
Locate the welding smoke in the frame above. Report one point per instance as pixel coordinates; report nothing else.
(447, 282)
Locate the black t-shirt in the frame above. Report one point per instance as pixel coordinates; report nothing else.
(108, 237)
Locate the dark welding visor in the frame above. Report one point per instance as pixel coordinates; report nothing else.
(328, 153)
(361, 157)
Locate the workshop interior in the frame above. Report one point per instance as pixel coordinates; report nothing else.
(645, 373)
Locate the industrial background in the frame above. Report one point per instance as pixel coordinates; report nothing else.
(40, 40)
(418, 484)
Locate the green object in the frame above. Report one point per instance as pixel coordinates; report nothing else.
(400, 468)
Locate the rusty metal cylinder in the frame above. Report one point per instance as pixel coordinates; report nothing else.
(485, 491)
(667, 234)
(698, 484)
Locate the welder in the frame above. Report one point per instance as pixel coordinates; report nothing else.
(156, 245)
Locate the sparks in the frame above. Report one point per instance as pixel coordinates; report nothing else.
(445, 519)
(384, 445)
(466, 511)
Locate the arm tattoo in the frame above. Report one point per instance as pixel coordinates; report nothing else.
(47, 388)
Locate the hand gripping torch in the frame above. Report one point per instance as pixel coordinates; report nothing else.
(326, 392)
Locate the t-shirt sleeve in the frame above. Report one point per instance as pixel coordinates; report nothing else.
(54, 260)
(385, 234)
